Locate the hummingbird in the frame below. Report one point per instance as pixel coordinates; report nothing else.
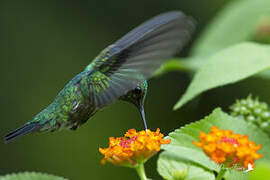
(120, 71)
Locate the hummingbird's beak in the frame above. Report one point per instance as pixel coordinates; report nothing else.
(141, 109)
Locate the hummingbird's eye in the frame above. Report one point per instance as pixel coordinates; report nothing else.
(138, 90)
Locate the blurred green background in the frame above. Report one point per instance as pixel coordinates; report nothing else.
(45, 43)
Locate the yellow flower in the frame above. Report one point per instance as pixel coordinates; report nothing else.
(232, 150)
(133, 148)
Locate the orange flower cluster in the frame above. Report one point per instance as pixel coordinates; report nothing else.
(232, 150)
(133, 148)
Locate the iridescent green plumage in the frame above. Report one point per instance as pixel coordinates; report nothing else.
(120, 71)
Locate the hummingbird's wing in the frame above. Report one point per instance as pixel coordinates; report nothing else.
(135, 57)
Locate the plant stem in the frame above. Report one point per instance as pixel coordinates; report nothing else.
(221, 174)
(141, 172)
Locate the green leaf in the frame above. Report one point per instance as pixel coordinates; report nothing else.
(261, 172)
(173, 169)
(237, 175)
(183, 65)
(236, 23)
(228, 66)
(182, 150)
(30, 176)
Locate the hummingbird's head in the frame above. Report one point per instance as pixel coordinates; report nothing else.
(137, 97)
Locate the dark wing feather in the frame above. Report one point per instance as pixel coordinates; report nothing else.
(135, 57)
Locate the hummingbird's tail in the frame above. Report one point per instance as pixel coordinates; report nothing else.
(26, 129)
